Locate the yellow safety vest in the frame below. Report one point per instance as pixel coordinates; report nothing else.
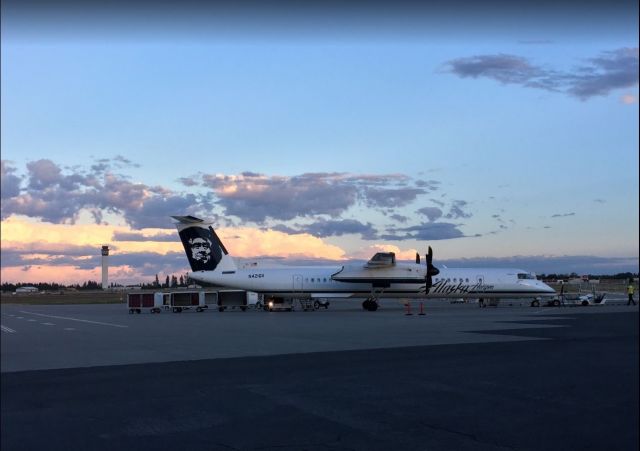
(630, 289)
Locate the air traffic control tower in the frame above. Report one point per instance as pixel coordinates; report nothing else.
(105, 267)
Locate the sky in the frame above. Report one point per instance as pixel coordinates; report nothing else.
(499, 133)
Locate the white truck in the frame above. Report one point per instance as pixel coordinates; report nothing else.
(571, 299)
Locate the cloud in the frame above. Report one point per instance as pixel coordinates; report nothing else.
(121, 161)
(58, 197)
(258, 197)
(324, 228)
(424, 232)
(155, 210)
(615, 69)
(431, 185)
(369, 251)
(457, 210)
(189, 181)
(247, 242)
(580, 264)
(145, 263)
(10, 184)
(135, 236)
(399, 218)
(502, 67)
(44, 253)
(130, 268)
(379, 197)
(432, 213)
(611, 70)
(563, 215)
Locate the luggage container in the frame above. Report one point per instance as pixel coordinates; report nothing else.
(236, 299)
(184, 300)
(137, 301)
(162, 300)
(210, 297)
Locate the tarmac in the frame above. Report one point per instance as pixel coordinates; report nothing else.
(457, 378)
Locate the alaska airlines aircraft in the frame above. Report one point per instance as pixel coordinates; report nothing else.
(379, 277)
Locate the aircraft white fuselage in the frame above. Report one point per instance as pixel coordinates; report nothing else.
(318, 282)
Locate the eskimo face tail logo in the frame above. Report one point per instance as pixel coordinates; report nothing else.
(201, 247)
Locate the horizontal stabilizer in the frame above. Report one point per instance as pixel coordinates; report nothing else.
(188, 219)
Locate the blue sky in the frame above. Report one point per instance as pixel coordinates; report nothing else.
(494, 134)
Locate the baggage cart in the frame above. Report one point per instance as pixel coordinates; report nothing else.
(138, 301)
(184, 300)
(163, 300)
(232, 299)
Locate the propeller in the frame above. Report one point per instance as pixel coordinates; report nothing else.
(431, 271)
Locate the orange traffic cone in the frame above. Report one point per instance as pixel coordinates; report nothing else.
(408, 309)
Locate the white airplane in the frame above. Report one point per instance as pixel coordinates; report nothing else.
(380, 277)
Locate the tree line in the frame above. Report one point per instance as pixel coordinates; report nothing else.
(171, 281)
(573, 275)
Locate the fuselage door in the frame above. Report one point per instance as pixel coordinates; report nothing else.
(297, 282)
(480, 280)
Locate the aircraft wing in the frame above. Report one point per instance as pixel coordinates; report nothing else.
(381, 276)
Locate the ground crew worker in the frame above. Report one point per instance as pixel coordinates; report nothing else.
(630, 291)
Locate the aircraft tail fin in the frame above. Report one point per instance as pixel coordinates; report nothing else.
(202, 245)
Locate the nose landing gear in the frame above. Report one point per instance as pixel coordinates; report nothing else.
(370, 305)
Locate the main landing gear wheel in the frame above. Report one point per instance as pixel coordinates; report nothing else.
(370, 305)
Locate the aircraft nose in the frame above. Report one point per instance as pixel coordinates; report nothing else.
(547, 288)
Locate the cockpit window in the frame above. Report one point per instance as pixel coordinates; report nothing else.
(525, 275)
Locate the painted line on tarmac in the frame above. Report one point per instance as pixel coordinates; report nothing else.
(74, 319)
(7, 330)
(47, 324)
